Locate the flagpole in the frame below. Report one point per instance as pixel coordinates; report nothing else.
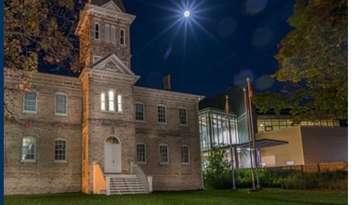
(250, 95)
(249, 136)
(230, 141)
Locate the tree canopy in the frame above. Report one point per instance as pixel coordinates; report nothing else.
(312, 62)
(36, 32)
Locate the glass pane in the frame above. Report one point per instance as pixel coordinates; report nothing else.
(103, 102)
(61, 104)
(28, 148)
(111, 101)
(30, 102)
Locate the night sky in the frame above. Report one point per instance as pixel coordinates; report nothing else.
(225, 42)
(235, 39)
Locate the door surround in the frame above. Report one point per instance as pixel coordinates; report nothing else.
(112, 155)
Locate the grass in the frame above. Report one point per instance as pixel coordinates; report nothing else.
(220, 197)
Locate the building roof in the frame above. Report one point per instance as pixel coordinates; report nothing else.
(119, 3)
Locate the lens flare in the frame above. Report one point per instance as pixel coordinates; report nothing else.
(187, 14)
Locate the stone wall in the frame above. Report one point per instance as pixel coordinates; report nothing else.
(101, 125)
(45, 175)
(171, 176)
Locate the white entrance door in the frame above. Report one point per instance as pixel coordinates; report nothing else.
(112, 156)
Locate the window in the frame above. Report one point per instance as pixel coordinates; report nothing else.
(113, 34)
(60, 150)
(30, 102)
(111, 101)
(140, 111)
(107, 32)
(141, 153)
(28, 149)
(183, 116)
(103, 101)
(185, 154)
(60, 104)
(161, 113)
(122, 37)
(97, 31)
(164, 155)
(119, 103)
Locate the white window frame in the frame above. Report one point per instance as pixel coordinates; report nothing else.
(103, 101)
(165, 113)
(188, 154)
(97, 25)
(135, 116)
(186, 116)
(35, 150)
(167, 154)
(119, 103)
(65, 151)
(122, 37)
(24, 102)
(66, 104)
(145, 153)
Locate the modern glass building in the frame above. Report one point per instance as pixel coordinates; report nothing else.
(219, 129)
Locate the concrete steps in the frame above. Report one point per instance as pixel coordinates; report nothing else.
(125, 184)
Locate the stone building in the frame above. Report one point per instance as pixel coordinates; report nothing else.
(99, 133)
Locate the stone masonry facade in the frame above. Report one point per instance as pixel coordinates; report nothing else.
(103, 31)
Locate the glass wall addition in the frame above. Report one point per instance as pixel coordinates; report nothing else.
(217, 129)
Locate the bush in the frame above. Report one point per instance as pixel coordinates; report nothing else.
(279, 178)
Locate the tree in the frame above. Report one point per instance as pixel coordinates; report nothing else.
(313, 59)
(216, 173)
(34, 34)
(32, 31)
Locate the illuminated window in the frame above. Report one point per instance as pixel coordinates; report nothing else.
(185, 154)
(61, 104)
(28, 149)
(59, 150)
(103, 101)
(182, 116)
(140, 111)
(122, 37)
(111, 101)
(30, 102)
(97, 31)
(141, 153)
(161, 113)
(164, 154)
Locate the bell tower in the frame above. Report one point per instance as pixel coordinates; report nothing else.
(107, 84)
(104, 29)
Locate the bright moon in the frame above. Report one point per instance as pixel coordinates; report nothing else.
(187, 14)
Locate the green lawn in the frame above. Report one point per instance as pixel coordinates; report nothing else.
(227, 197)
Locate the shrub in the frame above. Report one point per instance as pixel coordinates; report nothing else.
(287, 179)
(216, 174)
